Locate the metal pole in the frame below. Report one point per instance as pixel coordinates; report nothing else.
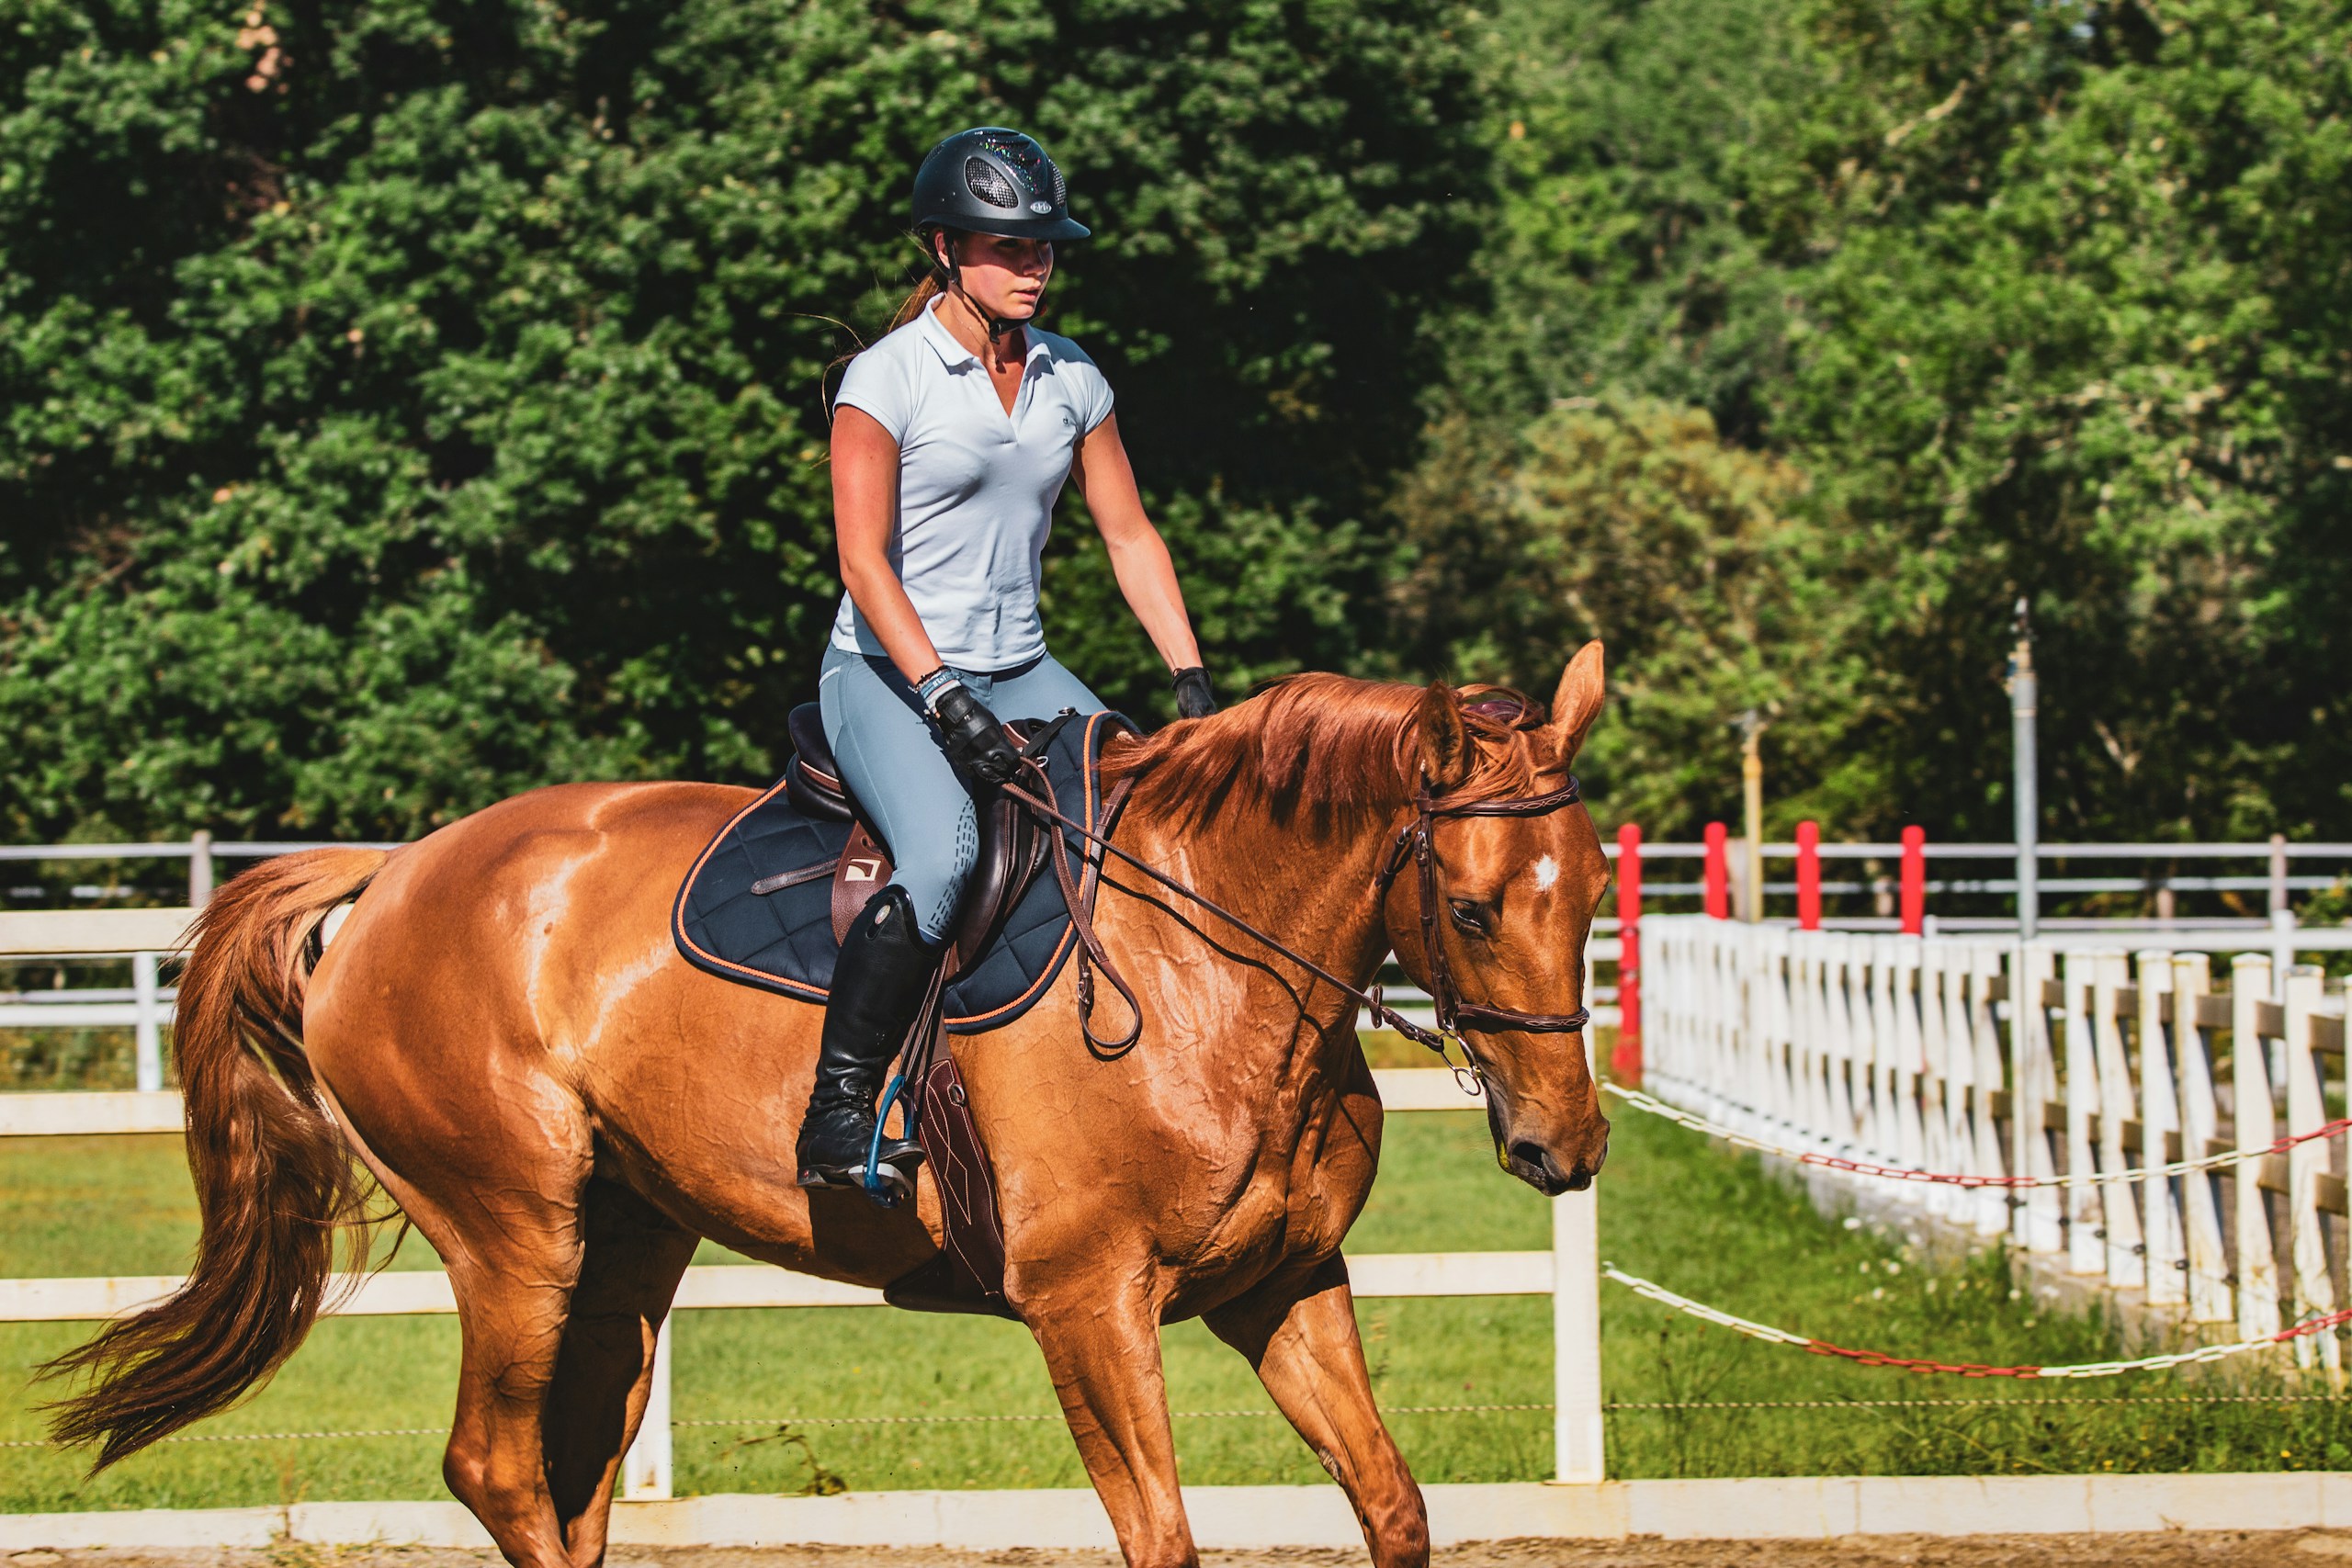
(1625, 1061)
(2022, 793)
(1718, 872)
(1752, 802)
(1809, 876)
(1915, 880)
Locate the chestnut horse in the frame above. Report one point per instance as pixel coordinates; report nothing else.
(502, 1033)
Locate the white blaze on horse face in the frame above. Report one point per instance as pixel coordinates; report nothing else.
(1547, 872)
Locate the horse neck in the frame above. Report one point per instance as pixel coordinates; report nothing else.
(1307, 885)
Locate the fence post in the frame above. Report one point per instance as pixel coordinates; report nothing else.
(646, 1468)
(2256, 1126)
(2086, 1230)
(2160, 1229)
(2283, 909)
(2306, 1163)
(1718, 872)
(1578, 1440)
(1914, 881)
(2119, 1208)
(199, 868)
(2033, 1087)
(1625, 1061)
(1809, 876)
(147, 1025)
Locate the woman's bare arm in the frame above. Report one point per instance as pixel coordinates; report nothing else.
(865, 511)
(1139, 555)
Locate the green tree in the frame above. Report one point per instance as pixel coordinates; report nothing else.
(1693, 559)
(406, 401)
(2082, 333)
(2046, 299)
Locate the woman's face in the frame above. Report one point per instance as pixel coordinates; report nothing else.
(1005, 277)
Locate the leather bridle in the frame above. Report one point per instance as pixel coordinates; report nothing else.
(1414, 843)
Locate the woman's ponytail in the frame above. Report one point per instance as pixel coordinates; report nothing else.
(925, 292)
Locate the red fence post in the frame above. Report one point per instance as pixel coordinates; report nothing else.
(1914, 881)
(1625, 1061)
(1809, 877)
(1718, 871)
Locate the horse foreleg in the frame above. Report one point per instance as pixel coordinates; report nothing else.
(604, 1370)
(1103, 1354)
(1300, 1335)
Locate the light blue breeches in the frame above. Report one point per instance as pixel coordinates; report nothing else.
(891, 763)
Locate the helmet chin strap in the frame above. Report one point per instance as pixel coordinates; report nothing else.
(951, 278)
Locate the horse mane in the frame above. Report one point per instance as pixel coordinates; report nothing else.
(1329, 748)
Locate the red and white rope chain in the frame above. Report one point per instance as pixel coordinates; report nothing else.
(1771, 1336)
(1656, 1107)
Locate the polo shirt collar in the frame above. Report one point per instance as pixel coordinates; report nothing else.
(954, 354)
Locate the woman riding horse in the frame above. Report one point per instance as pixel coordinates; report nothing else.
(953, 437)
(501, 1030)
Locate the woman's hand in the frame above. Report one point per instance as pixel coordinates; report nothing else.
(1139, 555)
(970, 735)
(1196, 698)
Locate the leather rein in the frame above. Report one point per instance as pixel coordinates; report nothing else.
(1413, 844)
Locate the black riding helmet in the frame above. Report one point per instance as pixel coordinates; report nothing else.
(990, 180)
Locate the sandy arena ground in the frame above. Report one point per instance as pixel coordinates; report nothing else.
(2217, 1550)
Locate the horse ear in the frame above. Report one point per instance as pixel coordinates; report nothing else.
(1445, 740)
(1576, 703)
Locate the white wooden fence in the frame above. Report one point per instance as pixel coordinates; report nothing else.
(2053, 1060)
(1568, 1271)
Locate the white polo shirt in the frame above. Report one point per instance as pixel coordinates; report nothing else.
(977, 487)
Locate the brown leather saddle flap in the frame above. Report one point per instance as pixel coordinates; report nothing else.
(967, 1275)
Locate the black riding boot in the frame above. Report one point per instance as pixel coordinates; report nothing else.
(878, 987)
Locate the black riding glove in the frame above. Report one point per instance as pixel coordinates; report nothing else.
(1193, 698)
(972, 738)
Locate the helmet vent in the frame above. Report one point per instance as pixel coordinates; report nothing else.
(1059, 194)
(984, 181)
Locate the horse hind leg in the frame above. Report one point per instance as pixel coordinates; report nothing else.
(505, 1208)
(604, 1372)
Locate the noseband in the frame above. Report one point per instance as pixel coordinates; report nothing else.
(1414, 844)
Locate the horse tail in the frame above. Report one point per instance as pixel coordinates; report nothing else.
(274, 1177)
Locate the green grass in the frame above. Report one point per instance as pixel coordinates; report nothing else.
(1702, 1220)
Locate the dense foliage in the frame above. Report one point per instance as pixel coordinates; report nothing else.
(2042, 299)
(403, 401)
(406, 401)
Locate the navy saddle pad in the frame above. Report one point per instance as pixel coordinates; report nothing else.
(784, 941)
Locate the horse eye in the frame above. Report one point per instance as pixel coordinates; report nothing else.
(1468, 916)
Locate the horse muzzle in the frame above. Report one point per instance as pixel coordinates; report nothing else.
(1564, 1161)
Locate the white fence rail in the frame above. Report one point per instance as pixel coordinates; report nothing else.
(1568, 1272)
(2052, 1060)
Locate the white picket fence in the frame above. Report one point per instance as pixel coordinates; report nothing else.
(2050, 1060)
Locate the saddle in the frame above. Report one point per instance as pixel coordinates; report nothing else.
(1013, 852)
(766, 902)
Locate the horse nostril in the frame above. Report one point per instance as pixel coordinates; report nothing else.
(1529, 1154)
